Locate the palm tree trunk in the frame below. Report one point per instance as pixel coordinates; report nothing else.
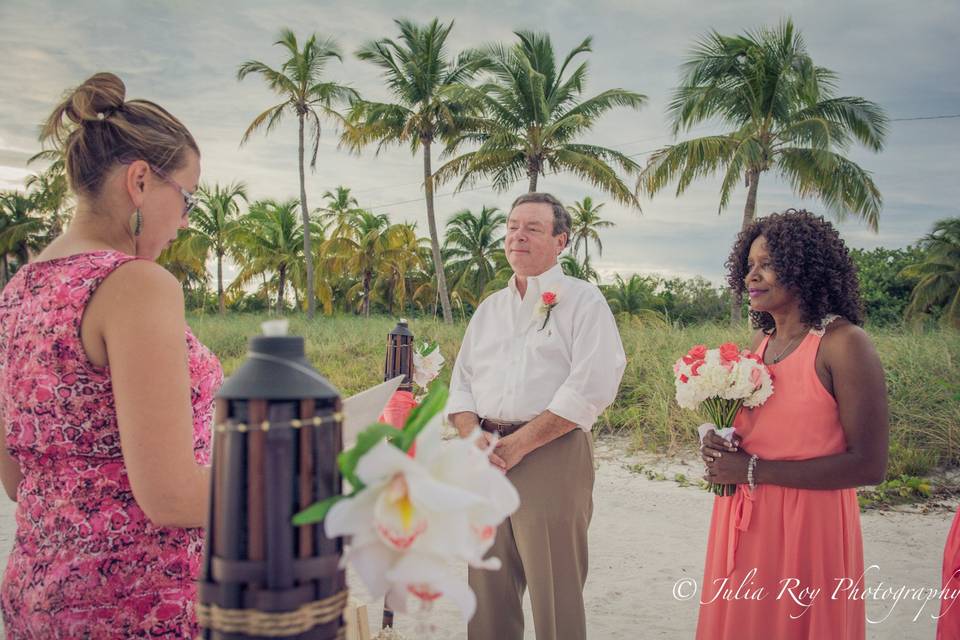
(749, 211)
(366, 294)
(280, 288)
(220, 296)
(434, 238)
(533, 182)
(305, 214)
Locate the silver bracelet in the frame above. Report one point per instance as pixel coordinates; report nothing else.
(750, 467)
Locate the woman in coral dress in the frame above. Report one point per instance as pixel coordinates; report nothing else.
(785, 553)
(105, 395)
(948, 622)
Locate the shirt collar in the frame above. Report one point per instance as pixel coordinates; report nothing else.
(546, 281)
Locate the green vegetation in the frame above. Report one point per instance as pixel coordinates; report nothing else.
(938, 272)
(923, 376)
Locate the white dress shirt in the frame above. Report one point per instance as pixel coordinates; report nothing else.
(511, 370)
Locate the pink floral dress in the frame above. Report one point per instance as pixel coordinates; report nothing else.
(86, 562)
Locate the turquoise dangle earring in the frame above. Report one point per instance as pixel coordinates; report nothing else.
(136, 222)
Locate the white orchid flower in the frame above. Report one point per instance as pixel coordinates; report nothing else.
(426, 368)
(416, 516)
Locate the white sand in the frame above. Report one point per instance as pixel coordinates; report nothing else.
(648, 534)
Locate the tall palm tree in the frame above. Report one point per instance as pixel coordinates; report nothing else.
(269, 240)
(471, 241)
(784, 116)
(213, 227)
(306, 96)
(576, 269)
(586, 225)
(20, 229)
(430, 105)
(938, 273)
(535, 114)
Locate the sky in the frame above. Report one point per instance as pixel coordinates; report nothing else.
(184, 55)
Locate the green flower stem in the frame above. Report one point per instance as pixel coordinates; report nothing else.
(721, 412)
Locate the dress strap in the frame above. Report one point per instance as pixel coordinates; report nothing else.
(762, 348)
(827, 319)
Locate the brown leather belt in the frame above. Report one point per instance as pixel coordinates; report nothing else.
(502, 429)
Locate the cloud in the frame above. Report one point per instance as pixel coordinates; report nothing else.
(12, 178)
(185, 55)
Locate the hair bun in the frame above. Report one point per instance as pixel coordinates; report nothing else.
(98, 97)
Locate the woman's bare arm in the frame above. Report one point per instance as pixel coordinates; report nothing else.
(140, 312)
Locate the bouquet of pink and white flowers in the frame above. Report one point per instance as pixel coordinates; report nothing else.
(719, 382)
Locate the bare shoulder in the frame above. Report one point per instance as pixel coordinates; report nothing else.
(138, 293)
(844, 340)
(142, 282)
(756, 339)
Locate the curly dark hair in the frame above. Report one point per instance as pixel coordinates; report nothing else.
(809, 258)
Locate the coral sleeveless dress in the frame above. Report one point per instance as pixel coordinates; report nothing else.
(948, 626)
(770, 549)
(86, 561)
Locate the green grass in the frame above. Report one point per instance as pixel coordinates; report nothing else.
(923, 376)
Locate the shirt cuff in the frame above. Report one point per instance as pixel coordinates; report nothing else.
(459, 401)
(570, 405)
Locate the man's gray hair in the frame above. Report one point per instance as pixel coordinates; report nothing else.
(562, 222)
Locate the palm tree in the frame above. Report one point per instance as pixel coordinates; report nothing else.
(631, 296)
(430, 106)
(407, 257)
(938, 273)
(189, 268)
(784, 116)
(20, 229)
(586, 224)
(50, 194)
(213, 227)
(341, 209)
(575, 269)
(471, 240)
(534, 117)
(369, 253)
(269, 240)
(305, 96)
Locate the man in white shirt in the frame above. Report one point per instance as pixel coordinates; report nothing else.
(540, 361)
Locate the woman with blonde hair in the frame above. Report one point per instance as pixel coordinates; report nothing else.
(105, 394)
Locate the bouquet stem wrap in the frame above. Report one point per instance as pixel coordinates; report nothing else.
(719, 382)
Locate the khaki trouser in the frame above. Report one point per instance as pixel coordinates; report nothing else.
(543, 546)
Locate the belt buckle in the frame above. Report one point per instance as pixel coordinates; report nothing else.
(500, 427)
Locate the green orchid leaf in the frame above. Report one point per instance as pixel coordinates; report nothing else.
(366, 440)
(316, 512)
(421, 415)
(426, 348)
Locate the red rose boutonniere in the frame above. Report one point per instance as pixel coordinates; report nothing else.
(547, 302)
